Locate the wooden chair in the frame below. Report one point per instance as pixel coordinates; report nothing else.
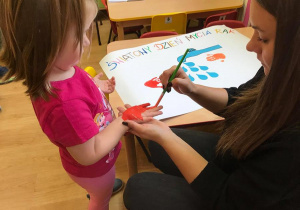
(228, 23)
(169, 22)
(158, 33)
(128, 30)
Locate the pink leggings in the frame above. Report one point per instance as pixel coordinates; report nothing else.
(99, 188)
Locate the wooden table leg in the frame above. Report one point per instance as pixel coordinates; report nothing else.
(131, 154)
(120, 29)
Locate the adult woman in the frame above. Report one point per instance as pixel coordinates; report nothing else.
(256, 164)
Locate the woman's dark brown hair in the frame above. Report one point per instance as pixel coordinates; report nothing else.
(275, 103)
(34, 31)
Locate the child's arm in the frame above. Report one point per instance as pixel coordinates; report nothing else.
(101, 144)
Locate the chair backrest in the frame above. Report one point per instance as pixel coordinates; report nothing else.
(169, 22)
(104, 4)
(158, 33)
(101, 6)
(231, 15)
(247, 12)
(228, 23)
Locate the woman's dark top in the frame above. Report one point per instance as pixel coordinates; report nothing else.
(267, 179)
(233, 91)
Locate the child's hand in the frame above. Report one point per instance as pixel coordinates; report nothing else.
(122, 109)
(107, 86)
(141, 114)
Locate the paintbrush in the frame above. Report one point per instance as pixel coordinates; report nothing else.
(172, 77)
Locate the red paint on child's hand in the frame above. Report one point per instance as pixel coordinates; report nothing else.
(135, 112)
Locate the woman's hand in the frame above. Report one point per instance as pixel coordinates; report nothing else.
(182, 83)
(150, 129)
(107, 86)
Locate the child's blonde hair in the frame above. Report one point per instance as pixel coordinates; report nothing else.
(33, 34)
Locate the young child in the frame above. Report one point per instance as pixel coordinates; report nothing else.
(43, 41)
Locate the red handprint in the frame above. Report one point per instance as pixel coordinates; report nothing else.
(217, 56)
(153, 83)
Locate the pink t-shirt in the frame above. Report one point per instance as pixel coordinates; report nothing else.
(78, 113)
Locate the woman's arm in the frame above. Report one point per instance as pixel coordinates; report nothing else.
(213, 99)
(188, 161)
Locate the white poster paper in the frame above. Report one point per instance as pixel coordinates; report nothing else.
(219, 59)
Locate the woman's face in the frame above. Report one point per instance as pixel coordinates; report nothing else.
(263, 39)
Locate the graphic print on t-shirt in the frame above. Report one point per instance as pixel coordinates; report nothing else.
(100, 121)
